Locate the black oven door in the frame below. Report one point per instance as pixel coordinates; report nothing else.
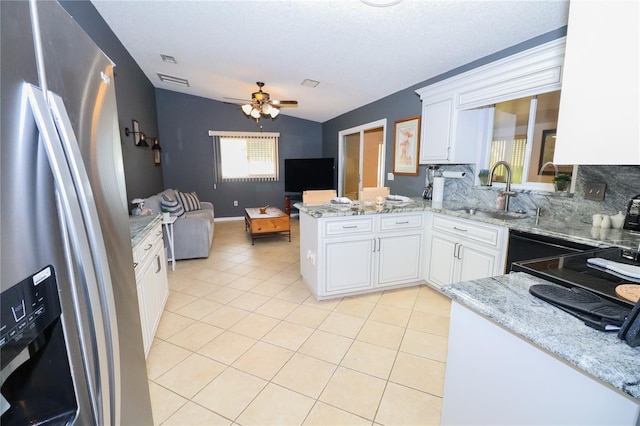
(527, 246)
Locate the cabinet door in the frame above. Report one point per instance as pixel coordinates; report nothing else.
(162, 281)
(436, 131)
(399, 259)
(142, 307)
(157, 288)
(348, 265)
(148, 301)
(598, 123)
(442, 251)
(475, 262)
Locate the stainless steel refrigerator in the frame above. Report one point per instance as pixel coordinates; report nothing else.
(70, 337)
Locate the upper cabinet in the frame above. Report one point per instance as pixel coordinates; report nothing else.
(598, 120)
(454, 122)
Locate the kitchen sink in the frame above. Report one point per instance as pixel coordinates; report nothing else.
(494, 214)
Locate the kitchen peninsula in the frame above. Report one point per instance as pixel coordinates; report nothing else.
(515, 359)
(347, 250)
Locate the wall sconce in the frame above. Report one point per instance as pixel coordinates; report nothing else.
(155, 148)
(138, 137)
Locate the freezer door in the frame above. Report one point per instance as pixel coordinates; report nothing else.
(74, 68)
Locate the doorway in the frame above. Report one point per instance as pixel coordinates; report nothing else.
(361, 152)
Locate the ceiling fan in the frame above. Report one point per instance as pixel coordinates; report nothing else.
(261, 104)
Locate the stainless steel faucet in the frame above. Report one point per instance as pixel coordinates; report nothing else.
(507, 189)
(546, 164)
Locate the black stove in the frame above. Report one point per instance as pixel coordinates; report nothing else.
(572, 270)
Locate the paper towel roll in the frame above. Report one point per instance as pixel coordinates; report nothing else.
(438, 189)
(454, 175)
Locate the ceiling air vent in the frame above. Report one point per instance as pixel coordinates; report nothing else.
(309, 83)
(174, 80)
(168, 59)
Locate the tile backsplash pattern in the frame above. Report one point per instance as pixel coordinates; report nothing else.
(623, 182)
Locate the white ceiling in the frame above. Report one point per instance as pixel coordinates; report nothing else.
(358, 53)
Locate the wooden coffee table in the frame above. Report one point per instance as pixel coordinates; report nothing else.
(272, 222)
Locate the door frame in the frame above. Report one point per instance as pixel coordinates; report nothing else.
(341, 150)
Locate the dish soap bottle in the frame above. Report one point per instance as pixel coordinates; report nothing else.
(500, 200)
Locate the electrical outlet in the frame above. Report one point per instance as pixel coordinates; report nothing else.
(594, 191)
(235, 203)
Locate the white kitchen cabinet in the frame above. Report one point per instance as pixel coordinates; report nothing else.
(462, 250)
(358, 254)
(448, 134)
(599, 105)
(437, 120)
(348, 264)
(454, 117)
(152, 284)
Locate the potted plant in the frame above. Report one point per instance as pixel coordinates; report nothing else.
(165, 214)
(483, 175)
(561, 182)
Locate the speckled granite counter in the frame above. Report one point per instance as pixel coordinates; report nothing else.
(547, 225)
(138, 225)
(506, 301)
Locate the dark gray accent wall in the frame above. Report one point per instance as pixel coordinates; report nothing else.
(404, 104)
(135, 98)
(187, 149)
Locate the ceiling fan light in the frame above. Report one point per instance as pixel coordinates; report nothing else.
(274, 112)
(255, 113)
(246, 108)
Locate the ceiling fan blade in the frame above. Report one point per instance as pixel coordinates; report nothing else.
(284, 103)
(236, 100)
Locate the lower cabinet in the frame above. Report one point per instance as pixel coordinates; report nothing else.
(349, 255)
(462, 250)
(151, 282)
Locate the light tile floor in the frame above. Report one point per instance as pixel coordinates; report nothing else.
(243, 342)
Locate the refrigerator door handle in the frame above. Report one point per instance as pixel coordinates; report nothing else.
(96, 241)
(76, 231)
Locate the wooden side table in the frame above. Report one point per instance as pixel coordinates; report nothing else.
(266, 222)
(168, 224)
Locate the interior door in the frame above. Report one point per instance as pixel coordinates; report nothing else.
(351, 182)
(361, 156)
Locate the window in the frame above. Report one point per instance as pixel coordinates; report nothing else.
(521, 136)
(245, 156)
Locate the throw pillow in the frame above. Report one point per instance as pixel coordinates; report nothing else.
(189, 201)
(172, 206)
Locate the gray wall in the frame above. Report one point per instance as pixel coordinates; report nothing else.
(187, 149)
(404, 104)
(135, 98)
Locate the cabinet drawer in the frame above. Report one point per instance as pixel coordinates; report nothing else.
(482, 233)
(136, 257)
(146, 246)
(397, 222)
(348, 226)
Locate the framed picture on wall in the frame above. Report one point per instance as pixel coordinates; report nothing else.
(406, 145)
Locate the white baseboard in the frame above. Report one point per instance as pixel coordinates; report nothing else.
(228, 219)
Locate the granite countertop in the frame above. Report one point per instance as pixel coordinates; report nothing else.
(139, 226)
(506, 300)
(548, 224)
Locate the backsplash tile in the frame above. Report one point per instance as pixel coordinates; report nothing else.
(623, 182)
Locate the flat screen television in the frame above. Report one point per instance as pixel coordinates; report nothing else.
(301, 174)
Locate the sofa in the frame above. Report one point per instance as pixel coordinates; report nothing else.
(192, 231)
